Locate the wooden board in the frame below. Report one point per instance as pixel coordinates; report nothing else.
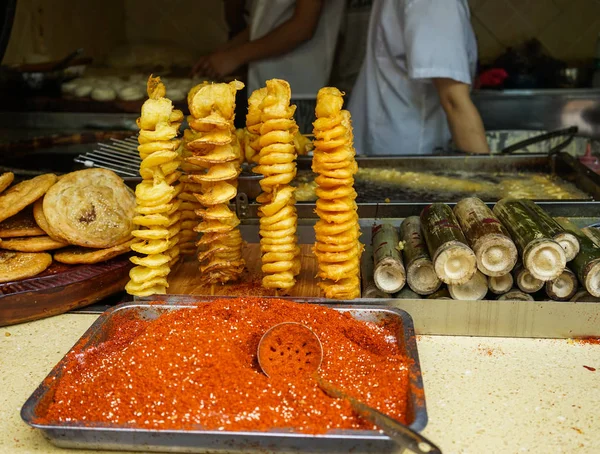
(61, 288)
(185, 278)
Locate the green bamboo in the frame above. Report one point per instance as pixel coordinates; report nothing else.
(454, 261)
(369, 289)
(407, 294)
(494, 249)
(587, 263)
(420, 273)
(526, 282)
(593, 234)
(474, 289)
(441, 294)
(500, 284)
(389, 273)
(553, 229)
(541, 255)
(515, 295)
(564, 287)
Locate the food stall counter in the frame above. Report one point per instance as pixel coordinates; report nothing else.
(508, 395)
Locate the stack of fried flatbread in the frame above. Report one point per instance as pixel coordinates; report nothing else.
(82, 217)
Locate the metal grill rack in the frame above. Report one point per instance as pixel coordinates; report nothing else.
(119, 155)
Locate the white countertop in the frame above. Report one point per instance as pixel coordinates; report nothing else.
(484, 395)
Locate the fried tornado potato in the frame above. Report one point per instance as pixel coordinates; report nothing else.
(277, 163)
(158, 218)
(213, 157)
(90, 208)
(337, 248)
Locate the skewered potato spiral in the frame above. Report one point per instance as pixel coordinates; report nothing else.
(337, 247)
(156, 196)
(277, 164)
(212, 161)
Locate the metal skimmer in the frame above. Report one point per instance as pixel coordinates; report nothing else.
(119, 155)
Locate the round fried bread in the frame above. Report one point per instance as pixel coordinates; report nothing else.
(40, 219)
(32, 244)
(81, 255)
(19, 225)
(90, 208)
(5, 180)
(21, 265)
(24, 193)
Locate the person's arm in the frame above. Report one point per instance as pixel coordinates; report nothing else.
(464, 120)
(289, 35)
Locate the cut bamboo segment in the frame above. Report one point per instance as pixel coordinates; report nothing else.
(587, 263)
(407, 294)
(441, 294)
(389, 274)
(526, 281)
(542, 256)
(583, 296)
(553, 229)
(420, 274)
(369, 289)
(593, 234)
(494, 249)
(500, 284)
(515, 295)
(453, 260)
(474, 289)
(564, 287)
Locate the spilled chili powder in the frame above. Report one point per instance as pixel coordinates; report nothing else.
(197, 368)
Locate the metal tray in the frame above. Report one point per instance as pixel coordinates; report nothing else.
(73, 435)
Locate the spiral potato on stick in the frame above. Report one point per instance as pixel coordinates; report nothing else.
(212, 162)
(280, 253)
(337, 247)
(157, 205)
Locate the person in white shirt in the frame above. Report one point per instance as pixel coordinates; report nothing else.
(287, 39)
(413, 91)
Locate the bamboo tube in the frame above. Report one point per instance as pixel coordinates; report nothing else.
(474, 289)
(564, 287)
(500, 284)
(441, 294)
(453, 260)
(567, 240)
(407, 294)
(587, 263)
(495, 251)
(515, 295)
(389, 274)
(369, 289)
(526, 281)
(420, 274)
(593, 234)
(542, 256)
(583, 296)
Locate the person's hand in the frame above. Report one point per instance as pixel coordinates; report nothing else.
(217, 65)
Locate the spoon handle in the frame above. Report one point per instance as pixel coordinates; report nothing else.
(398, 432)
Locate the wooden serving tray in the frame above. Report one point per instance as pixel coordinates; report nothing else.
(61, 288)
(185, 278)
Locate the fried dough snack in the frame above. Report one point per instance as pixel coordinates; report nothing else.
(212, 161)
(158, 218)
(277, 163)
(337, 247)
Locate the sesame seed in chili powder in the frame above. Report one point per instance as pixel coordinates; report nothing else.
(197, 368)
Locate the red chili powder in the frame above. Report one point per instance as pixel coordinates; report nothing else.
(588, 340)
(197, 368)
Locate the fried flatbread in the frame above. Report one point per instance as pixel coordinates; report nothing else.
(40, 219)
(24, 193)
(5, 180)
(21, 265)
(20, 225)
(32, 244)
(90, 208)
(81, 255)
